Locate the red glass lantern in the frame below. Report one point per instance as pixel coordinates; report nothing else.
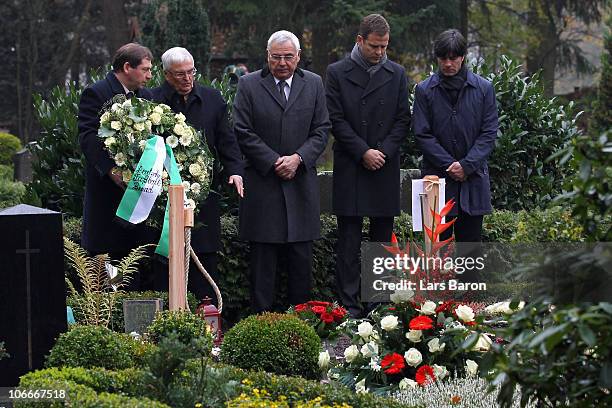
(211, 315)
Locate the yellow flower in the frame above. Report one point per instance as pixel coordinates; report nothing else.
(115, 125)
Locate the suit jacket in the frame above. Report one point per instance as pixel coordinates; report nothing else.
(464, 132)
(102, 196)
(274, 210)
(206, 110)
(367, 113)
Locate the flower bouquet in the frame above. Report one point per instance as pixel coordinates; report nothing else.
(126, 125)
(324, 317)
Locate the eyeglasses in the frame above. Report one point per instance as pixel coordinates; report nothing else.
(278, 58)
(184, 74)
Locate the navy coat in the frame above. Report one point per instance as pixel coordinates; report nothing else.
(367, 113)
(206, 111)
(101, 233)
(465, 133)
(275, 210)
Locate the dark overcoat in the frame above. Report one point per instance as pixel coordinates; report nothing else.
(206, 111)
(276, 210)
(100, 231)
(465, 132)
(367, 113)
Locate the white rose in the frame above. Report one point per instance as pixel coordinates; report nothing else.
(351, 353)
(126, 103)
(186, 140)
(483, 343)
(142, 144)
(503, 308)
(323, 360)
(148, 125)
(406, 383)
(155, 118)
(120, 159)
(439, 371)
(414, 335)
(139, 126)
(360, 387)
(178, 129)
(164, 107)
(388, 323)
(471, 368)
(413, 357)
(195, 169)
(115, 125)
(186, 185)
(196, 188)
(364, 329)
(109, 141)
(400, 296)
(115, 107)
(105, 117)
(369, 349)
(180, 117)
(428, 308)
(158, 109)
(172, 141)
(465, 313)
(435, 346)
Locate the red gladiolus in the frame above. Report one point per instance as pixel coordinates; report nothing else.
(393, 363)
(327, 317)
(318, 303)
(339, 313)
(424, 375)
(318, 309)
(421, 323)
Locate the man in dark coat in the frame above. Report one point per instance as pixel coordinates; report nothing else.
(455, 123)
(281, 123)
(204, 109)
(367, 99)
(103, 188)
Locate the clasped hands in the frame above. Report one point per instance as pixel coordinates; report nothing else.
(455, 171)
(373, 159)
(285, 167)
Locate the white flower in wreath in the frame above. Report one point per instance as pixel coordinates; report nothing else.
(413, 357)
(324, 359)
(471, 368)
(195, 169)
(164, 107)
(178, 129)
(186, 186)
(191, 203)
(360, 387)
(369, 349)
(414, 335)
(148, 125)
(142, 144)
(164, 175)
(120, 159)
(172, 141)
(435, 346)
(364, 330)
(375, 364)
(196, 188)
(351, 353)
(139, 126)
(186, 140)
(407, 383)
(483, 343)
(440, 372)
(126, 103)
(155, 118)
(389, 323)
(180, 118)
(115, 107)
(105, 117)
(400, 296)
(158, 109)
(115, 125)
(109, 141)
(465, 313)
(130, 137)
(428, 308)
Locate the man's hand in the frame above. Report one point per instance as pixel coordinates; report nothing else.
(286, 166)
(373, 159)
(455, 171)
(115, 175)
(236, 180)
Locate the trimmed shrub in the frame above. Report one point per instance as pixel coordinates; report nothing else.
(9, 145)
(553, 225)
(186, 325)
(93, 346)
(11, 193)
(273, 342)
(6, 172)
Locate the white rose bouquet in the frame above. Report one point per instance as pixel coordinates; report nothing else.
(127, 124)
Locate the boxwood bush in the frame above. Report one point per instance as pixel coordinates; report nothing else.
(274, 342)
(9, 145)
(186, 325)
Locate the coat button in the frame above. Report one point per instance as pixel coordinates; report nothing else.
(382, 101)
(363, 101)
(380, 123)
(364, 123)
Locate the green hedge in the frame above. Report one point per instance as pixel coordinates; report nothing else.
(11, 193)
(9, 145)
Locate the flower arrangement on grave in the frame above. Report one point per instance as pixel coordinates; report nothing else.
(127, 125)
(324, 317)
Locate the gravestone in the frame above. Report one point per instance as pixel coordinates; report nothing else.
(32, 288)
(138, 314)
(22, 161)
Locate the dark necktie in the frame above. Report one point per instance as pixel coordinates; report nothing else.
(281, 88)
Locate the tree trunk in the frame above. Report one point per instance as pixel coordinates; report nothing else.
(116, 24)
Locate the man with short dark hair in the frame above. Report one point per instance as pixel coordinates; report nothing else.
(104, 187)
(455, 123)
(281, 123)
(367, 99)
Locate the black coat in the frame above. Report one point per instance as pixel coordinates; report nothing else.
(206, 111)
(274, 210)
(367, 113)
(464, 132)
(100, 231)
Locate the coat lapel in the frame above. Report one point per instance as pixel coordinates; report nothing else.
(297, 84)
(270, 85)
(356, 75)
(384, 75)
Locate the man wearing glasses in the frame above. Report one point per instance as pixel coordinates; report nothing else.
(103, 186)
(281, 123)
(204, 109)
(367, 98)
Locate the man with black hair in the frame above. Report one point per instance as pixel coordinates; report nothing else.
(455, 124)
(367, 99)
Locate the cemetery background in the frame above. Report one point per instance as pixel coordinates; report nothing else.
(555, 168)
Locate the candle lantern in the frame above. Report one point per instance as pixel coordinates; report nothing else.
(211, 315)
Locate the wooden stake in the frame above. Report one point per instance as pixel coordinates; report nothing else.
(176, 253)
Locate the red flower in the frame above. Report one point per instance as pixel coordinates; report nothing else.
(421, 323)
(393, 363)
(318, 309)
(424, 375)
(339, 313)
(445, 307)
(301, 307)
(327, 317)
(318, 303)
